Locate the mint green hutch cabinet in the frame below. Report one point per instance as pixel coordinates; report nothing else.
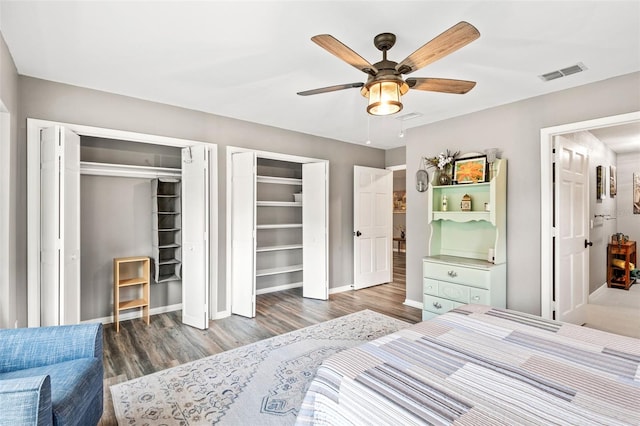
(467, 248)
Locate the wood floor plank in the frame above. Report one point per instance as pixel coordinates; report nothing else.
(140, 349)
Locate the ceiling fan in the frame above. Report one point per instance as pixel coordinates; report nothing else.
(385, 84)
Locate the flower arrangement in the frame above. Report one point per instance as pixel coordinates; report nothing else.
(442, 160)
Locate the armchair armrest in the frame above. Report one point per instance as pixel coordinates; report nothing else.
(26, 401)
(24, 348)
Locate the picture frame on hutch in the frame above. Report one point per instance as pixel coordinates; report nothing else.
(470, 170)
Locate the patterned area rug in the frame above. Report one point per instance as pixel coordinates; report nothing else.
(261, 383)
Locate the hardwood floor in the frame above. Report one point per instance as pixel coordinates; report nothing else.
(139, 350)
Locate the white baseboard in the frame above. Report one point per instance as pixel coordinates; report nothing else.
(599, 290)
(278, 288)
(413, 304)
(341, 289)
(220, 315)
(137, 314)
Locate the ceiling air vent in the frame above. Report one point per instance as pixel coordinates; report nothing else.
(579, 67)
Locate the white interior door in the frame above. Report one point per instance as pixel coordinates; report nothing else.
(59, 226)
(571, 210)
(315, 225)
(243, 234)
(195, 235)
(373, 223)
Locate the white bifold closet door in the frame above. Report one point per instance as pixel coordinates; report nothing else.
(315, 228)
(195, 236)
(243, 233)
(315, 193)
(59, 227)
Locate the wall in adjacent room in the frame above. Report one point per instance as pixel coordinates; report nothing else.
(627, 222)
(399, 215)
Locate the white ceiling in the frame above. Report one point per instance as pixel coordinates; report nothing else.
(247, 60)
(622, 139)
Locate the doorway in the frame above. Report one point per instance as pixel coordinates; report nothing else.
(550, 285)
(399, 224)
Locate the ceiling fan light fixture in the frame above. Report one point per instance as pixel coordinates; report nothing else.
(384, 97)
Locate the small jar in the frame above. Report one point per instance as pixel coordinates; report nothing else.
(444, 203)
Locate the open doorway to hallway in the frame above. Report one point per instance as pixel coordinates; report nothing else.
(612, 150)
(399, 223)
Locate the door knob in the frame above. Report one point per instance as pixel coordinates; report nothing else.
(587, 243)
(357, 233)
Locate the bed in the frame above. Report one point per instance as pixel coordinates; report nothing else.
(478, 365)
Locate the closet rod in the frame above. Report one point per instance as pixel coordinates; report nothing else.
(123, 170)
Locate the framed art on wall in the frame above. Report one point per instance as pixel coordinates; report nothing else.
(613, 185)
(636, 193)
(399, 201)
(470, 170)
(599, 182)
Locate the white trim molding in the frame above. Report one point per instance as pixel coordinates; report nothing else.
(7, 235)
(414, 304)
(341, 289)
(136, 314)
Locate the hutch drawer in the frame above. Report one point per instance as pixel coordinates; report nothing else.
(457, 274)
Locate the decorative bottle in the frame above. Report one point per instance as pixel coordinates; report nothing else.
(444, 203)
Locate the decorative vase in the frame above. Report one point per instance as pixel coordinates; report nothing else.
(444, 176)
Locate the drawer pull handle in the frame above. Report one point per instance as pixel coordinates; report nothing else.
(437, 305)
(452, 274)
(475, 298)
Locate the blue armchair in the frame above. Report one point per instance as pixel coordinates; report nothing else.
(51, 375)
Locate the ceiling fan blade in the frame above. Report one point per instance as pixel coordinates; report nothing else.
(443, 85)
(448, 42)
(337, 48)
(331, 89)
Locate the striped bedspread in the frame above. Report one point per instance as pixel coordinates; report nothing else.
(478, 365)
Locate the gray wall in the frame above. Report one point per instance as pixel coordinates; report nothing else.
(10, 291)
(515, 130)
(395, 156)
(115, 221)
(627, 223)
(59, 102)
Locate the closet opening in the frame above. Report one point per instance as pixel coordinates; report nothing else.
(123, 186)
(92, 198)
(277, 213)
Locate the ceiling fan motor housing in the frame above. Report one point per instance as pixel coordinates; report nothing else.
(384, 41)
